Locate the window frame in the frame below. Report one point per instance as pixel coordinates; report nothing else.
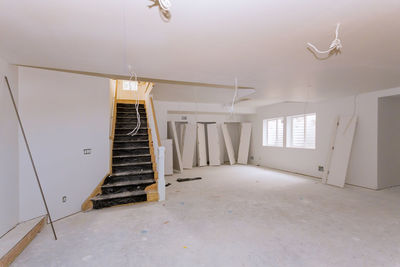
(266, 134)
(289, 131)
(124, 82)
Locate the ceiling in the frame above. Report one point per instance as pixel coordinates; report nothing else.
(261, 42)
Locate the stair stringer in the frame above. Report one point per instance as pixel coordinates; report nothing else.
(152, 190)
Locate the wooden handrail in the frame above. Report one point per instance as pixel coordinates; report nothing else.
(155, 121)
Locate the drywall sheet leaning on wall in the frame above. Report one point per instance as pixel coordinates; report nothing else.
(331, 145)
(213, 144)
(189, 143)
(244, 145)
(201, 145)
(341, 151)
(168, 169)
(177, 159)
(228, 144)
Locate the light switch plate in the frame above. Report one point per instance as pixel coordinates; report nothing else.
(87, 151)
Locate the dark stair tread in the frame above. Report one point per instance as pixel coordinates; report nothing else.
(131, 141)
(130, 148)
(127, 173)
(132, 164)
(131, 156)
(129, 183)
(130, 135)
(130, 117)
(119, 195)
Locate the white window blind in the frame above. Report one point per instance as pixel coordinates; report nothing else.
(273, 132)
(301, 131)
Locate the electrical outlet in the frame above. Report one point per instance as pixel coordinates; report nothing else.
(320, 168)
(87, 151)
(64, 199)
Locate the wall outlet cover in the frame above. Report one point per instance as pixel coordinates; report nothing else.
(87, 151)
(321, 168)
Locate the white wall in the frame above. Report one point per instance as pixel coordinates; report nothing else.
(8, 150)
(363, 162)
(63, 113)
(388, 141)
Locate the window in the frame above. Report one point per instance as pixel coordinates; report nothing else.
(273, 132)
(130, 85)
(301, 131)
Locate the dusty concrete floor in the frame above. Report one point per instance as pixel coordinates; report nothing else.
(235, 216)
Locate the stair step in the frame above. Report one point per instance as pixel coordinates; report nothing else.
(119, 134)
(132, 164)
(131, 141)
(130, 123)
(129, 183)
(130, 148)
(131, 156)
(132, 111)
(129, 128)
(127, 173)
(119, 195)
(130, 117)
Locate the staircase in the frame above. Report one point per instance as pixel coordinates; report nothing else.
(132, 165)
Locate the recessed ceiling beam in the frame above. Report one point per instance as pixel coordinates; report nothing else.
(143, 79)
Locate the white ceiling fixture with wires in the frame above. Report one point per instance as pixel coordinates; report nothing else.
(335, 46)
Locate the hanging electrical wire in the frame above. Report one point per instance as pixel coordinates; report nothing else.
(138, 123)
(234, 97)
(165, 4)
(336, 44)
(130, 72)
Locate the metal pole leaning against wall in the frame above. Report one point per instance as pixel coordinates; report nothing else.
(30, 155)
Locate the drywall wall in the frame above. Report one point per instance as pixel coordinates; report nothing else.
(8, 150)
(63, 114)
(388, 141)
(198, 112)
(362, 169)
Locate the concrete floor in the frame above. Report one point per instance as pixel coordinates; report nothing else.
(235, 216)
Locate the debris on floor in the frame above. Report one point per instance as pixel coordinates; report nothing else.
(187, 179)
(167, 184)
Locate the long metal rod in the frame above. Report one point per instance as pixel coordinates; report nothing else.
(30, 156)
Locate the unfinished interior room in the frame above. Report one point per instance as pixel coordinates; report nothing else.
(199, 133)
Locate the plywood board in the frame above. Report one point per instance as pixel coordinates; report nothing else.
(244, 145)
(168, 169)
(228, 144)
(189, 144)
(177, 159)
(341, 151)
(15, 241)
(213, 145)
(201, 145)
